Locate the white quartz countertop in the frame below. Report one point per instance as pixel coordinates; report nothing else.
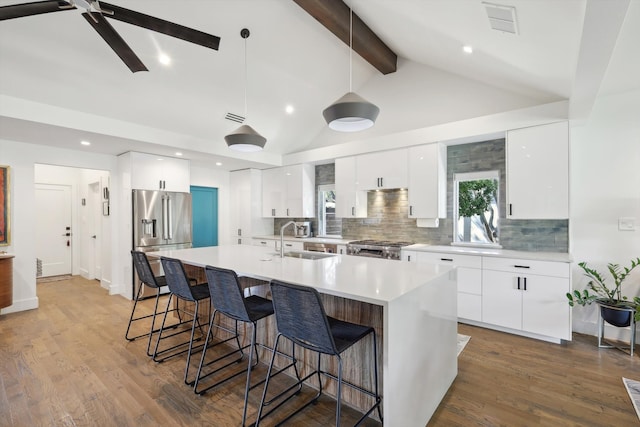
(492, 252)
(376, 281)
(334, 240)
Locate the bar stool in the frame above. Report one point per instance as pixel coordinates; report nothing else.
(227, 299)
(300, 317)
(146, 276)
(179, 286)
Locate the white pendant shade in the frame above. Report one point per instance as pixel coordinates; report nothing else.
(245, 139)
(351, 113)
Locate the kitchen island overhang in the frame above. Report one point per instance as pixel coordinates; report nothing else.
(419, 314)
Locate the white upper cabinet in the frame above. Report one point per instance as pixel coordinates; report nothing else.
(273, 189)
(289, 191)
(538, 172)
(246, 220)
(428, 181)
(382, 170)
(350, 203)
(151, 172)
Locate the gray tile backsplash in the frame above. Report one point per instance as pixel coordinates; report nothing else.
(388, 210)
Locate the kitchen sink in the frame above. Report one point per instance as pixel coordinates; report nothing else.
(308, 255)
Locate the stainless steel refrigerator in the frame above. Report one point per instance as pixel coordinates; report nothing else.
(161, 220)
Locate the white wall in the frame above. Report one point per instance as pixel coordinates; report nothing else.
(22, 159)
(605, 185)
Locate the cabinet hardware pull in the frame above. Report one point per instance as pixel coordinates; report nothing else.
(409, 258)
(510, 209)
(525, 283)
(518, 283)
(287, 211)
(411, 210)
(239, 231)
(521, 266)
(353, 211)
(273, 212)
(381, 182)
(288, 244)
(446, 259)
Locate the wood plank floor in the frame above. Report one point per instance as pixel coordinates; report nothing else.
(68, 364)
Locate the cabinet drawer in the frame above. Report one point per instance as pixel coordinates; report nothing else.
(292, 246)
(524, 266)
(450, 259)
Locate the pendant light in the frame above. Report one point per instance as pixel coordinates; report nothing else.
(245, 138)
(350, 113)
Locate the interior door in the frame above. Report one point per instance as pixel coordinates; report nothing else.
(205, 216)
(53, 228)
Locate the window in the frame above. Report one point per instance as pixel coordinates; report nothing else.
(327, 223)
(476, 208)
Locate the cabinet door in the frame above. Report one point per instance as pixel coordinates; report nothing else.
(428, 181)
(273, 189)
(538, 172)
(175, 174)
(350, 203)
(146, 171)
(382, 170)
(501, 299)
(299, 182)
(342, 249)
(544, 306)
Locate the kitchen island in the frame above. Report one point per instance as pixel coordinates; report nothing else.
(417, 326)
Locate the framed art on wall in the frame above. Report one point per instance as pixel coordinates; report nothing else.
(4, 206)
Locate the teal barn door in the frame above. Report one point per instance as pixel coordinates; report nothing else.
(205, 216)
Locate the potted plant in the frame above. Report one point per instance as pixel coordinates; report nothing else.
(615, 308)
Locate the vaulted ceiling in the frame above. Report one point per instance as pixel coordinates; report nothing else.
(60, 83)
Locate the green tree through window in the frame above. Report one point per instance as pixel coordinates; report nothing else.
(477, 208)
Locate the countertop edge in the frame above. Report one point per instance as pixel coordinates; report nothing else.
(492, 252)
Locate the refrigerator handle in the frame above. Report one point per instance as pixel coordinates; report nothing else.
(165, 227)
(170, 218)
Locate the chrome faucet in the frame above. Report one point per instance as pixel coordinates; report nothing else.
(282, 237)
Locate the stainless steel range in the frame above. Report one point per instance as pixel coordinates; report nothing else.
(376, 248)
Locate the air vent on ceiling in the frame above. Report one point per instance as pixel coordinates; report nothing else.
(502, 18)
(234, 117)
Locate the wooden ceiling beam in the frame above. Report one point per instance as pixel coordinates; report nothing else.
(334, 15)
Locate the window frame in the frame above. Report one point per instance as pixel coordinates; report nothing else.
(473, 176)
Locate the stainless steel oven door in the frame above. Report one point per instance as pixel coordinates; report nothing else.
(329, 248)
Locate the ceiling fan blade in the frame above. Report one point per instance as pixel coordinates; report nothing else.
(35, 8)
(160, 26)
(113, 39)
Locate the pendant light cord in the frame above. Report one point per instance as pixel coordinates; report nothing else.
(245, 77)
(350, 49)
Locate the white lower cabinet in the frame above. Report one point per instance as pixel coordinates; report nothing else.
(527, 295)
(519, 295)
(264, 243)
(342, 249)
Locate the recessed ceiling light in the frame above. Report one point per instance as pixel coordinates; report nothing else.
(218, 164)
(164, 59)
(178, 153)
(85, 143)
(289, 109)
(467, 49)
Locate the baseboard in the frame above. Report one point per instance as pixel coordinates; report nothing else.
(84, 273)
(21, 305)
(553, 340)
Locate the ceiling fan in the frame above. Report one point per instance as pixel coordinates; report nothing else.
(95, 15)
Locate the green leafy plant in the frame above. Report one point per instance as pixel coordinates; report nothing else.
(602, 292)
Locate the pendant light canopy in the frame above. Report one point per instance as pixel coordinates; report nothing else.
(245, 138)
(351, 113)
